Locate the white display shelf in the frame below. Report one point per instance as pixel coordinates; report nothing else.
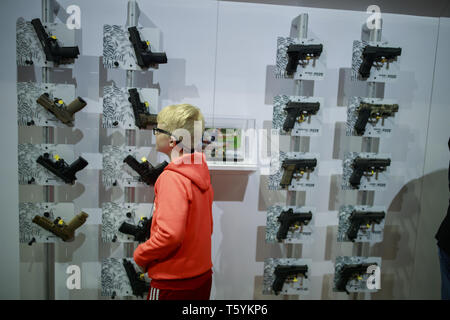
(224, 166)
(246, 149)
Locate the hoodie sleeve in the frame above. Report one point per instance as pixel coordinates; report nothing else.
(173, 201)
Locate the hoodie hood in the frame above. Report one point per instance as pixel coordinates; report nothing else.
(194, 167)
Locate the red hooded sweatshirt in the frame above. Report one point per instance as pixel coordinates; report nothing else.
(180, 243)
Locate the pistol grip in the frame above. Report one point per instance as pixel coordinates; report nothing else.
(77, 221)
(355, 178)
(289, 121)
(129, 229)
(291, 66)
(361, 122)
(341, 285)
(278, 284)
(159, 57)
(287, 176)
(76, 105)
(353, 231)
(364, 69)
(68, 52)
(282, 231)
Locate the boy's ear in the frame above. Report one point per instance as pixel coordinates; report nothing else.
(174, 142)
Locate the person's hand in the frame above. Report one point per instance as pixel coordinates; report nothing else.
(140, 269)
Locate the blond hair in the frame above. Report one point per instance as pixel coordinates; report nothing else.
(183, 116)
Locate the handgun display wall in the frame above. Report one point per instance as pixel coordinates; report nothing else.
(295, 171)
(328, 213)
(362, 171)
(124, 166)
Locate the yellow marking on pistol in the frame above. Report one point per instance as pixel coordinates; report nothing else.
(142, 276)
(56, 157)
(144, 159)
(147, 42)
(53, 37)
(61, 222)
(146, 104)
(60, 102)
(295, 279)
(368, 226)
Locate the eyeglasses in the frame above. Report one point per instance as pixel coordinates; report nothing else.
(158, 130)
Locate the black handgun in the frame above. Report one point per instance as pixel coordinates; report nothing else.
(349, 272)
(288, 218)
(358, 218)
(292, 166)
(299, 109)
(368, 112)
(145, 57)
(283, 272)
(301, 52)
(137, 281)
(363, 165)
(141, 110)
(148, 173)
(141, 232)
(61, 169)
(53, 52)
(376, 54)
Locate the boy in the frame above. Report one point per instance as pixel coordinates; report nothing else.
(177, 257)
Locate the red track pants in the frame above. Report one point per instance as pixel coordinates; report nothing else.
(201, 293)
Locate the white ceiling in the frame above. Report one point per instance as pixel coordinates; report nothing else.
(429, 8)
